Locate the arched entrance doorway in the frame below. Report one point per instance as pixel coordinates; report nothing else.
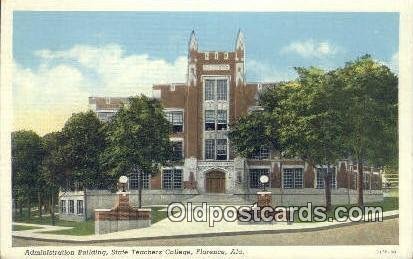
(215, 182)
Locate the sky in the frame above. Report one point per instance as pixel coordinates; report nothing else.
(62, 58)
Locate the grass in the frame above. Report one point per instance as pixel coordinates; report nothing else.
(82, 228)
(158, 215)
(388, 204)
(24, 227)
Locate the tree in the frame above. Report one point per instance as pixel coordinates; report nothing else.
(53, 167)
(26, 158)
(371, 114)
(83, 141)
(138, 140)
(309, 115)
(253, 131)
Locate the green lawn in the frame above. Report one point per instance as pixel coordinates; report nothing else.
(88, 227)
(158, 215)
(81, 228)
(388, 204)
(24, 227)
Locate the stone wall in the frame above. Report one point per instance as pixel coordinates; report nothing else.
(300, 197)
(102, 199)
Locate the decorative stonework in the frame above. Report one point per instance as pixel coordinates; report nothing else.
(216, 67)
(191, 183)
(264, 199)
(121, 217)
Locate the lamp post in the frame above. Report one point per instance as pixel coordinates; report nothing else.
(123, 180)
(264, 180)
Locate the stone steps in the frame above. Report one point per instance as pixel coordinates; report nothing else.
(218, 199)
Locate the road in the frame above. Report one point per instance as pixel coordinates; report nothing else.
(377, 233)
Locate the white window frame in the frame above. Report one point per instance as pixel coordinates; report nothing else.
(226, 149)
(78, 207)
(215, 78)
(134, 179)
(71, 207)
(215, 154)
(63, 206)
(213, 150)
(259, 155)
(293, 177)
(173, 187)
(211, 120)
(333, 180)
(171, 110)
(266, 168)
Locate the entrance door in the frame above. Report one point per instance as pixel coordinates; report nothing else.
(215, 182)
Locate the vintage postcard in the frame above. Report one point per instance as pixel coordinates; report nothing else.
(176, 129)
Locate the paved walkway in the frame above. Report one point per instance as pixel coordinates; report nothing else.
(165, 228)
(375, 233)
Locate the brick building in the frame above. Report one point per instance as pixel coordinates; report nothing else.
(200, 110)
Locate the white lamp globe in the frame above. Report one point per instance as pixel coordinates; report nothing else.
(264, 179)
(123, 179)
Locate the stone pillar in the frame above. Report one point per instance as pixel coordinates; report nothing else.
(121, 217)
(264, 199)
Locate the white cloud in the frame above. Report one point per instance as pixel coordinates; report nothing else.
(394, 63)
(119, 74)
(311, 49)
(46, 96)
(266, 73)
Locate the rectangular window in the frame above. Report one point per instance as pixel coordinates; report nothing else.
(222, 120)
(206, 55)
(354, 180)
(62, 206)
(134, 181)
(221, 149)
(209, 149)
(176, 119)
(320, 177)
(177, 179)
(255, 175)
(71, 206)
(366, 182)
(79, 207)
(222, 89)
(172, 179)
(263, 153)
(177, 150)
(209, 120)
(105, 116)
(293, 178)
(209, 90)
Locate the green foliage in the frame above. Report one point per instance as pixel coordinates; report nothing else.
(252, 131)
(83, 141)
(138, 137)
(27, 155)
(308, 114)
(320, 117)
(53, 162)
(371, 110)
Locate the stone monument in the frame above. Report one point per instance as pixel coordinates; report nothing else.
(122, 216)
